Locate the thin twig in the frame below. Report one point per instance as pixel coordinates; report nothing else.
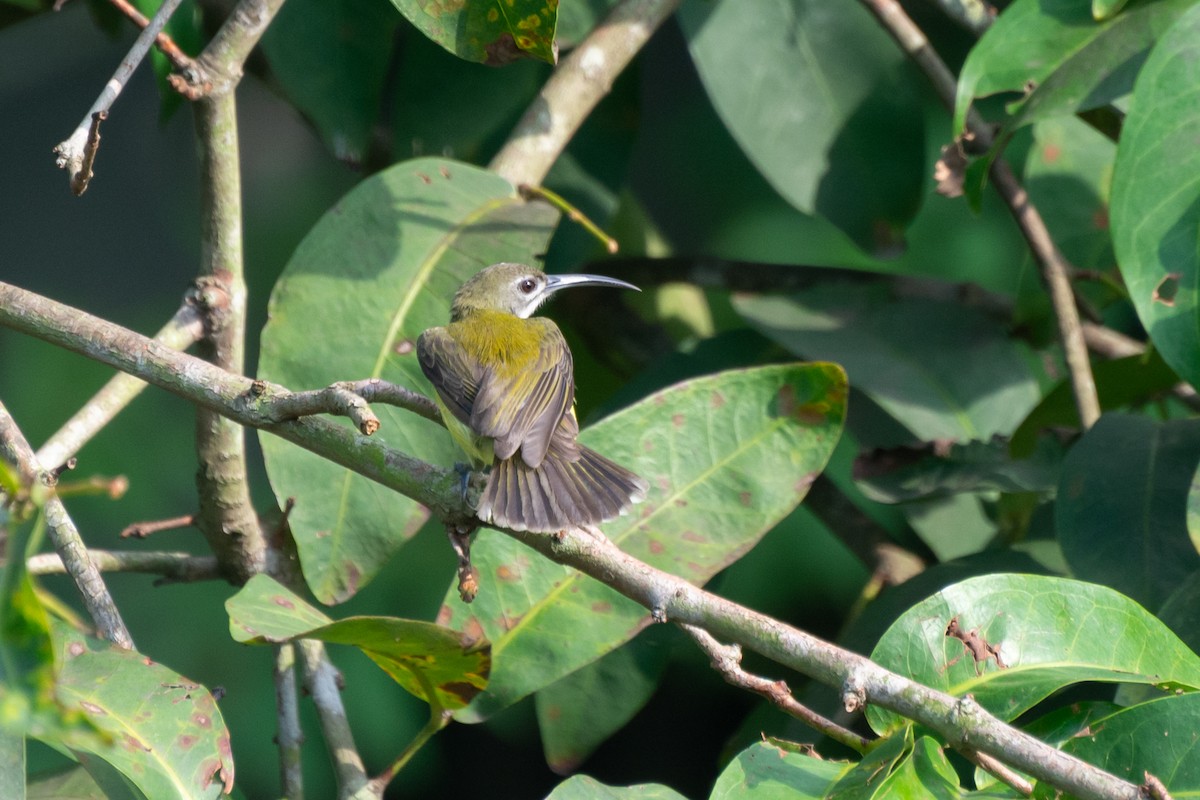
(181, 332)
(140, 530)
(174, 567)
(961, 720)
(321, 680)
(350, 398)
(73, 151)
(573, 214)
(727, 660)
(1054, 267)
(65, 537)
(289, 736)
(997, 769)
(179, 59)
(1114, 344)
(580, 82)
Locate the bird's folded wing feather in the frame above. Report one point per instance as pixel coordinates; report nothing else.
(453, 373)
(521, 408)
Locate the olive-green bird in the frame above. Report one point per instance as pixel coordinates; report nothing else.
(506, 388)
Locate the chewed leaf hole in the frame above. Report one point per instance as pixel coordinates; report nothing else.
(1166, 290)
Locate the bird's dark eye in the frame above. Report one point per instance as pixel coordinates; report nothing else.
(527, 286)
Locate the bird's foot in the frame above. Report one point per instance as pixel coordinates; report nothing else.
(471, 483)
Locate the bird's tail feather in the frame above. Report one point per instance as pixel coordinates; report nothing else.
(561, 493)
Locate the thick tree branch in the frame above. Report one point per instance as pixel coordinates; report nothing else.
(181, 332)
(225, 514)
(243, 400)
(219, 68)
(65, 537)
(962, 721)
(580, 82)
(1055, 269)
(174, 567)
(77, 152)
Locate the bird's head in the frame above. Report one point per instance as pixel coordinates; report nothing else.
(518, 289)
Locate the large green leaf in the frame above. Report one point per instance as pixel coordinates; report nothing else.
(1120, 512)
(1073, 62)
(579, 712)
(378, 269)
(942, 370)
(429, 661)
(820, 100)
(861, 779)
(164, 733)
(582, 787)
(331, 57)
(1156, 198)
(489, 31)
(1068, 173)
(768, 770)
(921, 771)
(727, 456)
(1158, 738)
(1052, 632)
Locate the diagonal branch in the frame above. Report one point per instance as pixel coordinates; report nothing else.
(65, 536)
(580, 82)
(961, 720)
(1055, 269)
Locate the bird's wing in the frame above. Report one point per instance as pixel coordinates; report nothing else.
(521, 409)
(452, 372)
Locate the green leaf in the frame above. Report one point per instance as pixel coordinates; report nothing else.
(582, 787)
(822, 103)
(165, 733)
(73, 783)
(1068, 173)
(438, 665)
(766, 770)
(1052, 633)
(331, 57)
(1156, 197)
(577, 19)
(902, 474)
(486, 102)
(579, 712)
(1073, 62)
(1121, 519)
(860, 780)
(491, 32)
(12, 766)
(1181, 611)
(1107, 9)
(942, 370)
(378, 269)
(727, 456)
(1158, 737)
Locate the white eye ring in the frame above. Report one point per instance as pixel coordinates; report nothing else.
(527, 285)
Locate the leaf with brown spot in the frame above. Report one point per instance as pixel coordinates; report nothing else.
(149, 712)
(420, 656)
(497, 32)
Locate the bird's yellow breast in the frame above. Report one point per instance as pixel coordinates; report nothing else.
(500, 341)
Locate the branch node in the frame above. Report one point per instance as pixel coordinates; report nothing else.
(854, 691)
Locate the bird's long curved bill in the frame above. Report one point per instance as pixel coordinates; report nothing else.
(556, 282)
